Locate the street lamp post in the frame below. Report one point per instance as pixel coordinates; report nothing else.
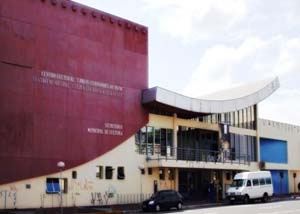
(61, 166)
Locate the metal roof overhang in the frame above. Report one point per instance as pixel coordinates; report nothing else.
(173, 102)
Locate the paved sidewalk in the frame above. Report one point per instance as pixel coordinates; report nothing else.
(129, 208)
(136, 208)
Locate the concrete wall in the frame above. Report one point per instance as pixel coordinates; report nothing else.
(291, 134)
(294, 183)
(286, 132)
(87, 187)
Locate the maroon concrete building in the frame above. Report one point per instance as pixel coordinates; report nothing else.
(70, 84)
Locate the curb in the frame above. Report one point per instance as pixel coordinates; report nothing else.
(208, 205)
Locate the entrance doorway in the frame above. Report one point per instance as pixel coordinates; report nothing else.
(200, 184)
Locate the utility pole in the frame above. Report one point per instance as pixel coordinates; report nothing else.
(61, 166)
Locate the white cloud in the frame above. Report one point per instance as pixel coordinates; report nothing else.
(224, 66)
(213, 21)
(281, 107)
(218, 66)
(195, 20)
(289, 57)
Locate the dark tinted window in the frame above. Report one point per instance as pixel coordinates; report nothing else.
(121, 173)
(74, 174)
(163, 194)
(255, 182)
(249, 183)
(268, 181)
(108, 172)
(262, 181)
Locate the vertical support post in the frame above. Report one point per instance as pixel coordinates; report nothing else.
(61, 166)
(174, 145)
(60, 192)
(256, 125)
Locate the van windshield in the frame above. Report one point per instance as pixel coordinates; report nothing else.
(238, 183)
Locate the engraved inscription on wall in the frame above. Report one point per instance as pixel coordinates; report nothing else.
(114, 129)
(73, 82)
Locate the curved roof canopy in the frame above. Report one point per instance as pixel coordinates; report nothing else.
(225, 101)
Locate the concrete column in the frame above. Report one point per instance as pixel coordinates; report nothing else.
(174, 145)
(176, 179)
(257, 135)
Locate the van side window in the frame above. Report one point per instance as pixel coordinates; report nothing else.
(249, 183)
(262, 181)
(268, 181)
(255, 182)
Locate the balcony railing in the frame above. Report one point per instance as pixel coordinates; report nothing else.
(189, 154)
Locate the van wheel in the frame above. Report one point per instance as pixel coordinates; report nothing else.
(179, 206)
(246, 199)
(265, 198)
(157, 208)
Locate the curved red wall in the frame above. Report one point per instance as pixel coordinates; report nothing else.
(70, 85)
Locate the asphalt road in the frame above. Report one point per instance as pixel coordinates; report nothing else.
(283, 207)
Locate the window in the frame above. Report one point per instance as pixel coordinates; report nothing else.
(157, 135)
(74, 174)
(255, 182)
(108, 172)
(149, 171)
(121, 173)
(53, 186)
(99, 174)
(171, 173)
(262, 181)
(162, 174)
(268, 181)
(249, 183)
(64, 185)
(151, 139)
(238, 183)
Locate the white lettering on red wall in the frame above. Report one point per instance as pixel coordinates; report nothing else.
(72, 82)
(113, 129)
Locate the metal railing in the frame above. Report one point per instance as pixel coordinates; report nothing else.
(132, 198)
(158, 152)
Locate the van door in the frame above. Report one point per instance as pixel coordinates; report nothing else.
(249, 189)
(255, 188)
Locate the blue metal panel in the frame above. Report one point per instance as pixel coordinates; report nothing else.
(273, 151)
(280, 185)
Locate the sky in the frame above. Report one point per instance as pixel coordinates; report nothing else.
(197, 47)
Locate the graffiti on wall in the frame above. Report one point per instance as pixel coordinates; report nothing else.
(9, 197)
(100, 198)
(83, 185)
(74, 198)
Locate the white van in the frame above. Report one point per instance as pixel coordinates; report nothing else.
(250, 185)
